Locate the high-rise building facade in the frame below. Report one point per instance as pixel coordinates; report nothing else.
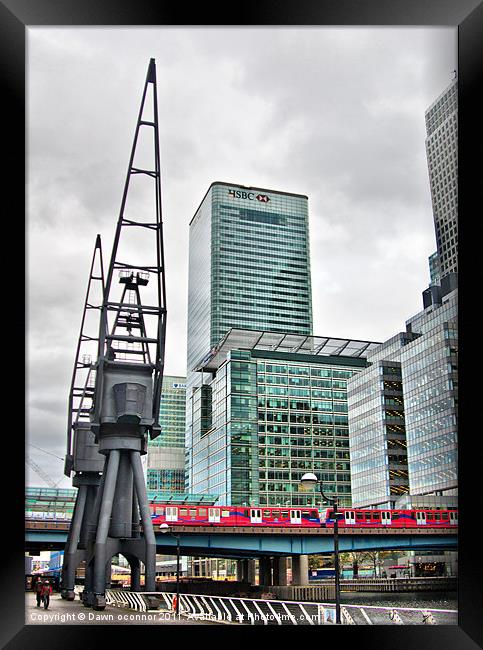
(442, 156)
(249, 265)
(422, 449)
(165, 462)
(430, 384)
(278, 409)
(249, 268)
(434, 269)
(378, 447)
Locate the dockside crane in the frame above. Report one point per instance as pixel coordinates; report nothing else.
(82, 454)
(129, 366)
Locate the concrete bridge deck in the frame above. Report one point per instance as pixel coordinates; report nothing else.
(248, 541)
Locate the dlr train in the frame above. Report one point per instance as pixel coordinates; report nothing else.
(304, 517)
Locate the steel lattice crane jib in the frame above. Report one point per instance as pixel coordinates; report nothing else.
(82, 454)
(129, 367)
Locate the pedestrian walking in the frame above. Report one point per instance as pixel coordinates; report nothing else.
(38, 591)
(45, 593)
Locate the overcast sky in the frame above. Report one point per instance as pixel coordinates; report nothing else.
(333, 113)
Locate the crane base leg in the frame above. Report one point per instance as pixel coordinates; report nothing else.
(99, 602)
(87, 598)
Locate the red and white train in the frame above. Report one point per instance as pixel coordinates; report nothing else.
(305, 517)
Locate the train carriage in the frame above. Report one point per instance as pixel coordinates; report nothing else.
(372, 518)
(301, 517)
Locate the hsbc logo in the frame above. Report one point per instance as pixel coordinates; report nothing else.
(241, 194)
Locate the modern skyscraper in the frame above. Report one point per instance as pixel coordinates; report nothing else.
(249, 268)
(249, 265)
(442, 155)
(165, 464)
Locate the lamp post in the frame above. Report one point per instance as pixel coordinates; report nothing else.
(166, 528)
(311, 480)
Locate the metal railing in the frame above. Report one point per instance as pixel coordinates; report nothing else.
(318, 593)
(246, 611)
(402, 584)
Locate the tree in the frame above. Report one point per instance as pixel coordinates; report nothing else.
(376, 558)
(351, 558)
(316, 561)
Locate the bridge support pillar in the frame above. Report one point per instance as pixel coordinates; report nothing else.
(239, 570)
(276, 571)
(265, 571)
(280, 571)
(251, 571)
(244, 570)
(300, 570)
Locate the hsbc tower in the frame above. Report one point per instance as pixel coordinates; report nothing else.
(249, 268)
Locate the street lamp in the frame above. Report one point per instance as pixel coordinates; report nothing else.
(311, 480)
(166, 528)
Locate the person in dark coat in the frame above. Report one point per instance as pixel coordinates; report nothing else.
(38, 591)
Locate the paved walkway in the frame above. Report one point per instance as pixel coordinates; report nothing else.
(64, 612)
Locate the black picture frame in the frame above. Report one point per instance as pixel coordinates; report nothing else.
(15, 17)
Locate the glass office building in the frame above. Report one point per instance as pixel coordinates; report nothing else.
(403, 413)
(277, 409)
(249, 268)
(430, 382)
(165, 462)
(49, 503)
(377, 442)
(442, 156)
